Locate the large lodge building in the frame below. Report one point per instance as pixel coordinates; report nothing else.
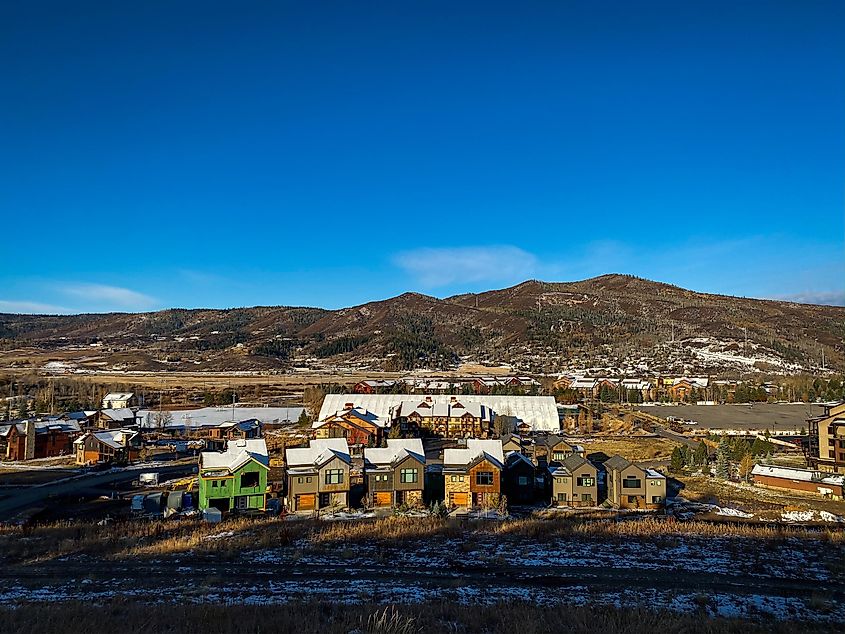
(827, 439)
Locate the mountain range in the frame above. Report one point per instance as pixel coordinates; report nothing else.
(617, 323)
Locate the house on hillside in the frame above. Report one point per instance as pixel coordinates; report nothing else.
(473, 476)
(631, 486)
(373, 386)
(318, 475)
(116, 418)
(515, 442)
(587, 388)
(358, 426)
(108, 446)
(486, 384)
(240, 430)
(235, 479)
(686, 388)
(37, 438)
(574, 482)
(555, 448)
(119, 400)
(519, 479)
(395, 475)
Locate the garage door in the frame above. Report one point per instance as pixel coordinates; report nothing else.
(383, 498)
(305, 502)
(458, 499)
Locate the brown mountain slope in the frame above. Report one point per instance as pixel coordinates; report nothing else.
(613, 321)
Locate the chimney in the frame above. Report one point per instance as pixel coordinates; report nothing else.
(29, 444)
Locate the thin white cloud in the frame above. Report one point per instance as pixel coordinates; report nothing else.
(829, 298)
(30, 307)
(110, 295)
(434, 267)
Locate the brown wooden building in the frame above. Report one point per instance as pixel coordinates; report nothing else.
(357, 425)
(473, 476)
(30, 439)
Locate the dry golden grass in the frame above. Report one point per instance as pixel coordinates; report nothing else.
(635, 449)
(229, 539)
(756, 499)
(327, 618)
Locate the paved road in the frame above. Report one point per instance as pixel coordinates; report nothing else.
(20, 499)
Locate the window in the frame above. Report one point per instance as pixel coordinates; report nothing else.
(631, 483)
(381, 477)
(561, 497)
(308, 480)
(249, 480)
(558, 455)
(214, 484)
(241, 502)
(632, 499)
(484, 478)
(334, 476)
(656, 499)
(654, 483)
(299, 480)
(585, 481)
(457, 478)
(408, 476)
(587, 497)
(523, 481)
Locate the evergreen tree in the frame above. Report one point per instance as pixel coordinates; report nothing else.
(700, 456)
(677, 463)
(723, 459)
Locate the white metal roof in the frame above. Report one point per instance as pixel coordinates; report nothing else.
(123, 413)
(118, 396)
(211, 416)
(792, 473)
(538, 412)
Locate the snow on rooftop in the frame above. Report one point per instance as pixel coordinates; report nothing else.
(793, 473)
(212, 416)
(318, 451)
(475, 448)
(397, 448)
(538, 412)
(238, 453)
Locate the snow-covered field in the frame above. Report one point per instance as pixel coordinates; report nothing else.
(728, 576)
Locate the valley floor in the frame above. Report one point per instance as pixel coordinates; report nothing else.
(720, 571)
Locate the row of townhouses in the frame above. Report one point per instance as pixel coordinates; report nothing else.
(481, 473)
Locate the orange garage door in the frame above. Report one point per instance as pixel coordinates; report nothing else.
(458, 499)
(382, 498)
(305, 502)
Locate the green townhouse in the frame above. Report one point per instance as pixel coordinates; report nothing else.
(235, 479)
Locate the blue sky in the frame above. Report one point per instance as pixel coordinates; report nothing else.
(205, 154)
